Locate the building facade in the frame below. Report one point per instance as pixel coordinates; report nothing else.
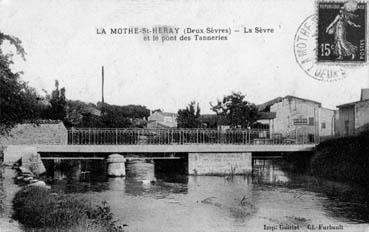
(160, 119)
(353, 117)
(301, 119)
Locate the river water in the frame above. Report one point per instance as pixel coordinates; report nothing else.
(271, 199)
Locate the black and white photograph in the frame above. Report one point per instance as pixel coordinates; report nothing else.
(184, 116)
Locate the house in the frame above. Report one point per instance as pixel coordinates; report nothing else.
(299, 118)
(353, 117)
(160, 119)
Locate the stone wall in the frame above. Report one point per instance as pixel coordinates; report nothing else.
(24, 138)
(219, 163)
(31, 134)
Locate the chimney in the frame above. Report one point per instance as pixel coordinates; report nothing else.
(364, 94)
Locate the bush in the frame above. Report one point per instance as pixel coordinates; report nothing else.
(37, 207)
(343, 159)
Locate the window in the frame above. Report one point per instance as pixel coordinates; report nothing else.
(311, 121)
(323, 125)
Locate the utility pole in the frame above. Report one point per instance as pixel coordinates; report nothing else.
(102, 90)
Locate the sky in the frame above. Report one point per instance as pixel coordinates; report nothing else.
(61, 41)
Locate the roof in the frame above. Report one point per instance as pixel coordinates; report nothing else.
(325, 108)
(92, 110)
(166, 114)
(267, 115)
(350, 104)
(302, 99)
(265, 105)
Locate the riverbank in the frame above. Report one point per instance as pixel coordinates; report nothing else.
(7, 191)
(34, 207)
(343, 159)
(40, 209)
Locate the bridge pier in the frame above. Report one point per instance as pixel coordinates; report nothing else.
(116, 165)
(219, 163)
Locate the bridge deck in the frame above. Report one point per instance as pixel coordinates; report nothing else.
(181, 136)
(147, 148)
(103, 158)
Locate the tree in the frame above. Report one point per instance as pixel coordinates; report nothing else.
(123, 116)
(189, 117)
(81, 114)
(18, 101)
(58, 110)
(236, 111)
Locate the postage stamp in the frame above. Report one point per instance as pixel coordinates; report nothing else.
(305, 47)
(342, 32)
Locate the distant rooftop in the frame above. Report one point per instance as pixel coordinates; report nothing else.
(302, 99)
(167, 114)
(350, 104)
(363, 97)
(265, 106)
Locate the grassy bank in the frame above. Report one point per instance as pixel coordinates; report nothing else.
(343, 159)
(41, 210)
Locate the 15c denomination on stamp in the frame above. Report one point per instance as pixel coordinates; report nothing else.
(342, 32)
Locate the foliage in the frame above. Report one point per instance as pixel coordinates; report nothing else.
(81, 114)
(123, 116)
(209, 121)
(58, 104)
(344, 159)
(128, 111)
(236, 111)
(115, 117)
(37, 207)
(189, 117)
(18, 102)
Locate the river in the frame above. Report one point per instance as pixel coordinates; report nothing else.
(271, 199)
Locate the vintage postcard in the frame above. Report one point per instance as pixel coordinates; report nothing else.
(188, 115)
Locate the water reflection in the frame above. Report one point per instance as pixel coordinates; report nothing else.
(268, 171)
(270, 196)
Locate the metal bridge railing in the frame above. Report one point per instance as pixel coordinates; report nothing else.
(119, 136)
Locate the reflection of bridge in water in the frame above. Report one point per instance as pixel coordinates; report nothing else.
(202, 151)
